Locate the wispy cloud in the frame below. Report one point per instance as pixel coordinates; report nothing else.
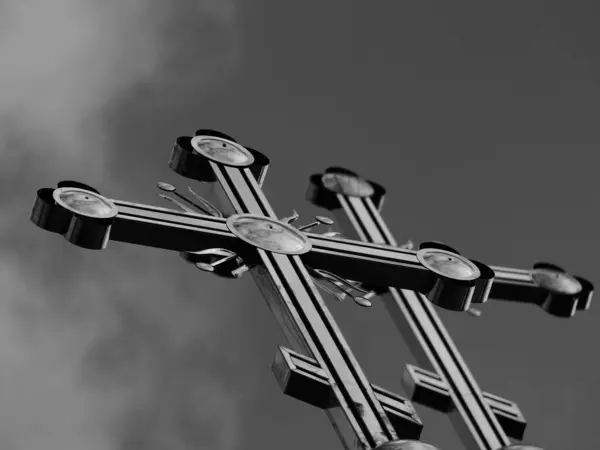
(108, 359)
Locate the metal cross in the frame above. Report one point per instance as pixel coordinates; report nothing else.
(321, 370)
(483, 421)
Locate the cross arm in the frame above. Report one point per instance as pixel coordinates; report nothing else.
(380, 266)
(171, 230)
(240, 193)
(374, 264)
(369, 263)
(539, 286)
(182, 231)
(133, 223)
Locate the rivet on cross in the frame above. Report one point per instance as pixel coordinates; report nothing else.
(321, 369)
(483, 421)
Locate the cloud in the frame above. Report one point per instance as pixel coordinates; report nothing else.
(65, 61)
(109, 358)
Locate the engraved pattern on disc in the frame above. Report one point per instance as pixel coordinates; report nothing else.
(555, 281)
(349, 185)
(448, 264)
(269, 234)
(84, 203)
(222, 151)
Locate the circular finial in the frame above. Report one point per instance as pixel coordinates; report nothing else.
(555, 280)
(347, 184)
(222, 151)
(405, 445)
(84, 203)
(448, 264)
(269, 234)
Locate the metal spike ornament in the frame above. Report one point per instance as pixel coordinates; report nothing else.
(345, 287)
(201, 204)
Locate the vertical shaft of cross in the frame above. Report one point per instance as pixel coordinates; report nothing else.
(307, 323)
(420, 326)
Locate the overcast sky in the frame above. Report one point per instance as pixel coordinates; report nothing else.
(481, 121)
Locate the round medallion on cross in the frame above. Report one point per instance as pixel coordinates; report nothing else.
(555, 280)
(85, 203)
(269, 234)
(448, 264)
(346, 184)
(222, 151)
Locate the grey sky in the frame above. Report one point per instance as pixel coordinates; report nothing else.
(479, 120)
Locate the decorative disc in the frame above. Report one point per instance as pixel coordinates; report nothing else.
(556, 281)
(85, 203)
(269, 234)
(222, 151)
(349, 185)
(448, 264)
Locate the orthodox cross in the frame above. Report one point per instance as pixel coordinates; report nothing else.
(247, 236)
(482, 420)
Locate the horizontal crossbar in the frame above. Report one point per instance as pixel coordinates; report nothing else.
(181, 231)
(300, 377)
(428, 389)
